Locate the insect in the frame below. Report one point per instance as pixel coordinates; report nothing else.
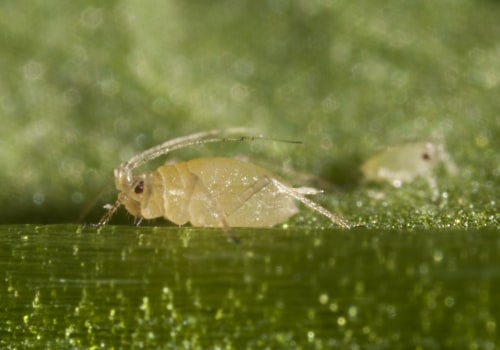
(208, 192)
(404, 163)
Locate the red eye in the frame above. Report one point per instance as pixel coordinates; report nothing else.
(139, 188)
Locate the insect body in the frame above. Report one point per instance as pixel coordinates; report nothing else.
(404, 163)
(209, 192)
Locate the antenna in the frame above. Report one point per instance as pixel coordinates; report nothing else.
(188, 141)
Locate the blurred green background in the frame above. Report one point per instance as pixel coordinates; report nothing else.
(86, 84)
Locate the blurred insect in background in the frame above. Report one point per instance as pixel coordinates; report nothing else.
(209, 192)
(406, 162)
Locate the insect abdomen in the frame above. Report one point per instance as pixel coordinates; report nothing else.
(237, 190)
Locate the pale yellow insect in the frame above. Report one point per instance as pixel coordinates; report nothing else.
(208, 192)
(404, 163)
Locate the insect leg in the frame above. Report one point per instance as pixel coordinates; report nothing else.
(309, 191)
(434, 187)
(214, 207)
(248, 193)
(298, 195)
(138, 220)
(111, 210)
